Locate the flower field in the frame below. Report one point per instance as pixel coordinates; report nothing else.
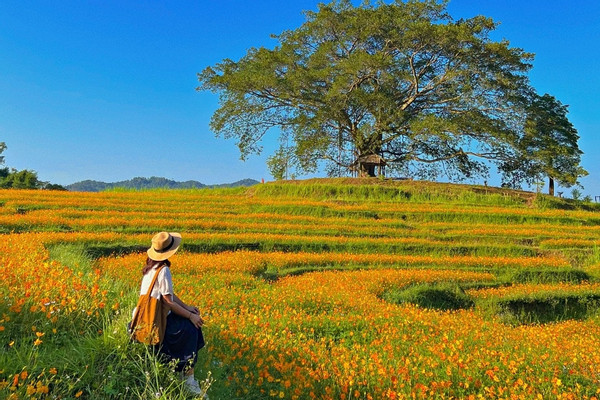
(314, 290)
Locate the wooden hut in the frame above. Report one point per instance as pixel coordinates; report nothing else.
(369, 165)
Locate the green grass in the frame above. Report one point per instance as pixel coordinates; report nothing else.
(547, 275)
(440, 296)
(375, 190)
(546, 308)
(89, 355)
(367, 246)
(106, 365)
(74, 255)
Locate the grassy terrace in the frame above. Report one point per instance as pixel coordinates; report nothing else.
(341, 288)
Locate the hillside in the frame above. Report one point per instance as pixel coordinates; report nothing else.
(327, 288)
(150, 183)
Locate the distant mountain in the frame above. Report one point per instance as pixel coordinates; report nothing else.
(150, 183)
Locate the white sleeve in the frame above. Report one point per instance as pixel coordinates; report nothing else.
(165, 282)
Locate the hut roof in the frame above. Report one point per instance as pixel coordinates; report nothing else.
(370, 159)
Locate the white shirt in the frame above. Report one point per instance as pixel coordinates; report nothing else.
(163, 285)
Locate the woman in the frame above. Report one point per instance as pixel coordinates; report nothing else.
(183, 335)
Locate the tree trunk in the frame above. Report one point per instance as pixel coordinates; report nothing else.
(550, 186)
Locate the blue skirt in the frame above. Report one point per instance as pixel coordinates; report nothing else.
(181, 343)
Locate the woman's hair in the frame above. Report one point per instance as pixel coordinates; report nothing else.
(150, 263)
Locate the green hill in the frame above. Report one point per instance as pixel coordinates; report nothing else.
(154, 182)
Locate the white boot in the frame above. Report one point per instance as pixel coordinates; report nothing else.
(193, 386)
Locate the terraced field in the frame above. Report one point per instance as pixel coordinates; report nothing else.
(324, 289)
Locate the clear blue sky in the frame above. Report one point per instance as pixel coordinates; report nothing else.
(105, 89)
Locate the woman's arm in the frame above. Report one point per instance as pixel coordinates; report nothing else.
(182, 304)
(181, 309)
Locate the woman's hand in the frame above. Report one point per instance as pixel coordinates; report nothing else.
(196, 319)
(193, 309)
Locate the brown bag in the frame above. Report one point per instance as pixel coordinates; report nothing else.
(150, 319)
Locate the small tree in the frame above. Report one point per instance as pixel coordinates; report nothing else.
(278, 164)
(4, 171)
(548, 146)
(53, 186)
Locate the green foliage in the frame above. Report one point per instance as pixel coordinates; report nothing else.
(2, 148)
(278, 164)
(430, 94)
(24, 179)
(548, 146)
(54, 186)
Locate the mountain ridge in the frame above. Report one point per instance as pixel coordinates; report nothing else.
(153, 182)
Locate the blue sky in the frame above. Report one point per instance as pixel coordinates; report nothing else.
(105, 89)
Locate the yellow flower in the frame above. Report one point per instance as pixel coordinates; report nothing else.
(41, 388)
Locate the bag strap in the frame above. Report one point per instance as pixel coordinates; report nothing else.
(154, 280)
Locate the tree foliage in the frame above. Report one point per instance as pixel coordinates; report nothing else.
(24, 179)
(547, 147)
(550, 140)
(402, 80)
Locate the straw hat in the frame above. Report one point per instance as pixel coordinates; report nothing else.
(164, 245)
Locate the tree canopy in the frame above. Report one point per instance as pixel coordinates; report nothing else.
(548, 146)
(429, 94)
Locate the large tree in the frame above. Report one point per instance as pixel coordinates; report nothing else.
(547, 147)
(402, 80)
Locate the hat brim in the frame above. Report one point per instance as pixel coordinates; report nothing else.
(161, 256)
